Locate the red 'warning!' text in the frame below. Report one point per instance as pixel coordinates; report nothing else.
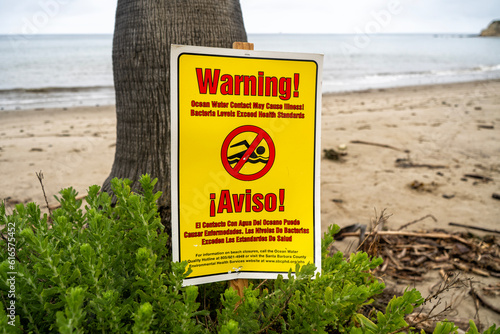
(248, 85)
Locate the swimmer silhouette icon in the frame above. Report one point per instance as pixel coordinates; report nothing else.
(253, 153)
(253, 158)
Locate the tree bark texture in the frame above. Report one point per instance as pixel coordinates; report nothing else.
(144, 31)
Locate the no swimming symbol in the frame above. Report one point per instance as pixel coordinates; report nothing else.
(244, 153)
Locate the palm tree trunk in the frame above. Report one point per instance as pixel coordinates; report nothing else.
(144, 31)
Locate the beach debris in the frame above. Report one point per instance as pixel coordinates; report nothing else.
(337, 200)
(352, 228)
(423, 187)
(36, 149)
(474, 227)
(492, 306)
(492, 290)
(408, 256)
(482, 126)
(407, 163)
(342, 149)
(448, 196)
(379, 145)
(402, 227)
(336, 154)
(12, 201)
(423, 322)
(479, 177)
(332, 154)
(495, 196)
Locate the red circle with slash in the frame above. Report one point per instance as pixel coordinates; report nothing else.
(260, 135)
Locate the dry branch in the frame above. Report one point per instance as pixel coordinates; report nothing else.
(379, 145)
(485, 301)
(432, 235)
(416, 221)
(474, 227)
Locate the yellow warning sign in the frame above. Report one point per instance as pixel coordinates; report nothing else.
(245, 162)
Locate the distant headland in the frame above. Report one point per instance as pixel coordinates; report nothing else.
(493, 30)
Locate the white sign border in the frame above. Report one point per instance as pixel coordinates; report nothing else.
(175, 52)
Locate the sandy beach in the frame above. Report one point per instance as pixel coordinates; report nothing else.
(451, 128)
(72, 147)
(450, 135)
(413, 151)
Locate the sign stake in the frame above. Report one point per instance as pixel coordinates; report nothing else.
(240, 284)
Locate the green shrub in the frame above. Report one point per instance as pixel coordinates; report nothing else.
(106, 269)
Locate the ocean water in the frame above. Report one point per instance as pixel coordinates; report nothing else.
(41, 71)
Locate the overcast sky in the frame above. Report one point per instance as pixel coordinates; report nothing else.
(270, 16)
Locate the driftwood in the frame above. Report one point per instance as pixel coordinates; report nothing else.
(379, 145)
(432, 235)
(479, 177)
(421, 322)
(475, 227)
(482, 126)
(407, 163)
(416, 221)
(408, 256)
(485, 301)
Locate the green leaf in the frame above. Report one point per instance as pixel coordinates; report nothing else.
(445, 327)
(367, 324)
(69, 321)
